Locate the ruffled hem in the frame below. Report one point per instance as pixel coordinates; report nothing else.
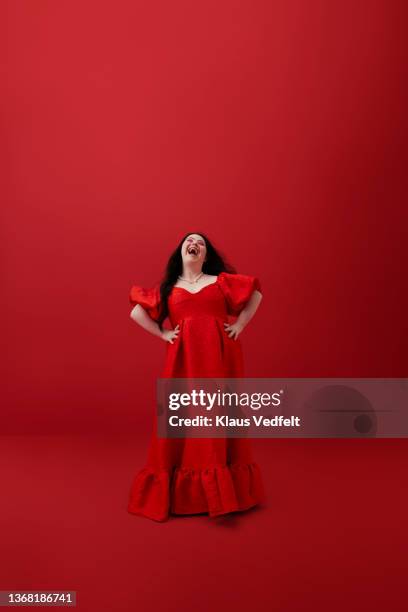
(215, 490)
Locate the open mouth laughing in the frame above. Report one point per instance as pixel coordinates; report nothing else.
(193, 250)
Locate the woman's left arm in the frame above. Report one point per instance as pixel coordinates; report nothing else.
(244, 316)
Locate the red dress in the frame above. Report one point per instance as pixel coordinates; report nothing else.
(198, 475)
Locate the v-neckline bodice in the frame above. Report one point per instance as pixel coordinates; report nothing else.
(202, 288)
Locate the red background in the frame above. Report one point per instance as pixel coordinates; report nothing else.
(278, 128)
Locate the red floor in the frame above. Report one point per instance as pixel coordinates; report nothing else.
(330, 537)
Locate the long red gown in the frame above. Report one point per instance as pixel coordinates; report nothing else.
(198, 475)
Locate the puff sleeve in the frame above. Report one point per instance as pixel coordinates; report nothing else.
(149, 299)
(237, 289)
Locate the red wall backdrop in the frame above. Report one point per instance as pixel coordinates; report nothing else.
(276, 127)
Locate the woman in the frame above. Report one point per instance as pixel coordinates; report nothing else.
(198, 293)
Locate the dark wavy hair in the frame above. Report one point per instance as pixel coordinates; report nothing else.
(214, 264)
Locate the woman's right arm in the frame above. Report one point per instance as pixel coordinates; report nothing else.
(140, 316)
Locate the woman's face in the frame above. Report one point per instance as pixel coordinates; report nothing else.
(193, 249)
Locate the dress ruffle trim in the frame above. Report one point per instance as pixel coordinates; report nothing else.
(214, 490)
